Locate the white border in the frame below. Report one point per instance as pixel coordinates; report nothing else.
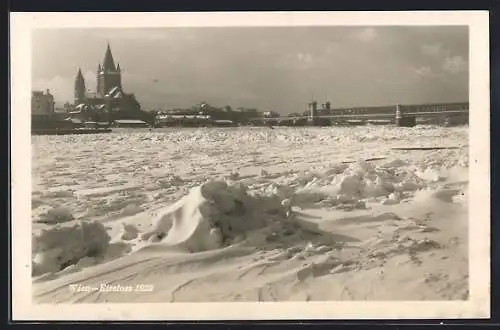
(478, 306)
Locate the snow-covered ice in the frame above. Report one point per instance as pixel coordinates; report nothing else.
(252, 214)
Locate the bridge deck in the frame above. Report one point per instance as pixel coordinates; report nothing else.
(371, 115)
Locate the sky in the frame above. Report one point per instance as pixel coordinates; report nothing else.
(269, 68)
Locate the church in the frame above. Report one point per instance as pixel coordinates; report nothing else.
(108, 102)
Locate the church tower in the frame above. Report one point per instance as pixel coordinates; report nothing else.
(108, 75)
(79, 87)
(97, 73)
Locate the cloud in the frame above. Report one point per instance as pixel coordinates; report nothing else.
(268, 68)
(305, 60)
(454, 64)
(424, 72)
(433, 50)
(366, 34)
(61, 87)
(333, 48)
(297, 61)
(449, 63)
(90, 80)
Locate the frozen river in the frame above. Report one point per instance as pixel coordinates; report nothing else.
(395, 205)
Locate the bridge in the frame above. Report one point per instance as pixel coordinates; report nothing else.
(440, 113)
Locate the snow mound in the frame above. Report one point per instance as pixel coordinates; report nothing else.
(131, 209)
(129, 232)
(214, 215)
(61, 246)
(57, 214)
(361, 181)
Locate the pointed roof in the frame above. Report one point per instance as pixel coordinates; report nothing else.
(109, 63)
(98, 67)
(79, 75)
(118, 67)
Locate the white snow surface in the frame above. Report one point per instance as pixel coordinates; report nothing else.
(284, 197)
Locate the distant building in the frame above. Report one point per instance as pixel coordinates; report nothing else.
(42, 104)
(44, 115)
(325, 109)
(42, 110)
(109, 102)
(271, 114)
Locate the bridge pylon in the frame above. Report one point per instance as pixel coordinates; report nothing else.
(404, 121)
(313, 112)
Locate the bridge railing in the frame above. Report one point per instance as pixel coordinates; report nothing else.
(382, 112)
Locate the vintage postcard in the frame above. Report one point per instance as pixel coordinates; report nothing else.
(243, 166)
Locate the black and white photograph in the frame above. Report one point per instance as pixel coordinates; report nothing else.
(321, 164)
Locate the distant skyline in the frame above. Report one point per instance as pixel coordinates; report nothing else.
(269, 68)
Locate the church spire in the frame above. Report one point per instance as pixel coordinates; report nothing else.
(79, 86)
(118, 67)
(79, 75)
(99, 68)
(109, 63)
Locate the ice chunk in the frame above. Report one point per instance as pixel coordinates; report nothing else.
(61, 246)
